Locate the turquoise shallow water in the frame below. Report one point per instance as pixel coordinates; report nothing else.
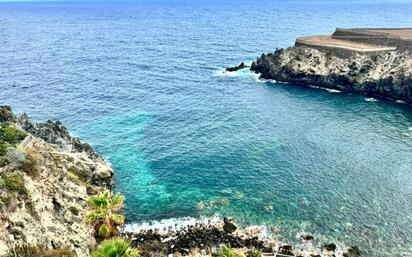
(142, 83)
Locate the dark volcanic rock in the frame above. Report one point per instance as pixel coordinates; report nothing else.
(286, 249)
(267, 249)
(352, 252)
(330, 247)
(386, 75)
(228, 226)
(51, 132)
(236, 68)
(199, 236)
(54, 133)
(6, 114)
(306, 237)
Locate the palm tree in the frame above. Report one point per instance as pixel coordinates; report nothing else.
(115, 248)
(105, 214)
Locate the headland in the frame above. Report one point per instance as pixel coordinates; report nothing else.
(375, 61)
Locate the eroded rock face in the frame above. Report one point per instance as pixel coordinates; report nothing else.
(387, 75)
(50, 207)
(54, 133)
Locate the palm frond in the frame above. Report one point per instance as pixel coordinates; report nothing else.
(115, 247)
(97, 202)
(104, 230)
(117, 201)
(92, 217)
(118, 219)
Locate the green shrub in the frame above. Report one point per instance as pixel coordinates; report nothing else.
(226, 251)
(3, 161)
(115, 248)
(78, 173)
(7, 199)
(3, 148)
(30, 166)
(11, 135)
(13, 182)
(40, 251)
(73, 178)
(253, 253)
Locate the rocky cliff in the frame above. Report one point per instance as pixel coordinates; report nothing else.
(386, 75)
(46, 175)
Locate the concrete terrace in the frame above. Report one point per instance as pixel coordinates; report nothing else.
(363, 41)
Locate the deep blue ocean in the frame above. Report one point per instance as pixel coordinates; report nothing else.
(142, 82)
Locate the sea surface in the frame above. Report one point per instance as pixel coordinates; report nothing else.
(142, 82)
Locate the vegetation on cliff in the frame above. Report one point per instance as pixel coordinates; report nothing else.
(226, 251)
(9, 137)
(105, 213)
(116, 247)
(40, 205)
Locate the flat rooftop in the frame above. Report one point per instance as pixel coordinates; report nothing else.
(404, 33)
(360, 40)
(330, 42)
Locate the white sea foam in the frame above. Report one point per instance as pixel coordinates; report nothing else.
(222, 73)
(166, 226)
(330, 90)
(333, 90)
(260, 80)
(371, 99)
(246, 72)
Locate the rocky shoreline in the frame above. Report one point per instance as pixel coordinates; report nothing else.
(206, 236)
(384, 75)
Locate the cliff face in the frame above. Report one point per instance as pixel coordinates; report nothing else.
(387, 75)
(45, 180)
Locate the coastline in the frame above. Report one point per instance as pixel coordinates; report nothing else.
(74, 168)
(203, 236)
(382, 74)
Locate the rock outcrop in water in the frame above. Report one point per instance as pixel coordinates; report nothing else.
(236, 68)
(44, 186)
(386, 75)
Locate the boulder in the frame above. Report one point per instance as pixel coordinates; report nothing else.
(306, 237)
(330, 247)
(6, 114)
(236, 68)
(286, 249)
(352, 252)
(228, 226)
